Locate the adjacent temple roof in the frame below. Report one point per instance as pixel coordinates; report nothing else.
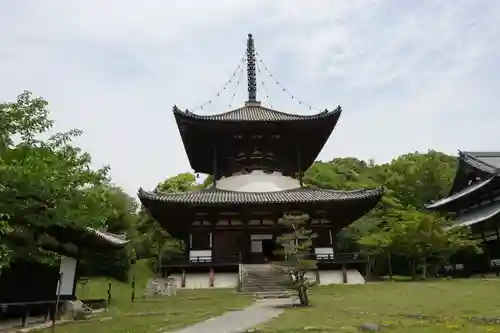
(477, 177)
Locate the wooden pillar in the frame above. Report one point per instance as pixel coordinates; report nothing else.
(109, 293)
(183, 278)
(26, 314)
(214, 166)
(212, 277)
(299, 166)
(344, 274)
(486, 251)
(368, 270)
(318, 280)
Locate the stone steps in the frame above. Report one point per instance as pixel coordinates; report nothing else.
(263, 281)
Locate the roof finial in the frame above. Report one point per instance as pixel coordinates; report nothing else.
(252, 77)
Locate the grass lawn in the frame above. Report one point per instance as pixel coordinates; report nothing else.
(152, 315)
(431, 307)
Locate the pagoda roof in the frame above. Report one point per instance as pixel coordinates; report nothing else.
(254, 112)
(298, 195)
(201, 133)
(176, 211)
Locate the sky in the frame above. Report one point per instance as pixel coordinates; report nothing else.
(409, 75)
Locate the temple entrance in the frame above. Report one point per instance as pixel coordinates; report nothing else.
(268, 249)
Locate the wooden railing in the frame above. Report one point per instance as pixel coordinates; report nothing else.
(186, 260)
(340, 258)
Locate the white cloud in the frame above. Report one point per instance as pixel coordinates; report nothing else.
(410, 75)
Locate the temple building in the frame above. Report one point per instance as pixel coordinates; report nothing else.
(257, 157)
(474, 202)
(29, 288)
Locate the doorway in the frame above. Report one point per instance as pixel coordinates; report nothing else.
(268, 248)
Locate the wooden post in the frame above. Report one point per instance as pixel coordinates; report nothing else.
(56, 309)
(26, 314)
(299, 166)
(109, 294)
(212, 277)
(132, 298)
(183, 278)
(344, 274)
(214, 168)
(318, 280)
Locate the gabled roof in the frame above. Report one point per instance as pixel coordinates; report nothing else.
(111, 238)
(485, 161)
(257, 113)
(477, 173)
(455, 197)
(478, 215)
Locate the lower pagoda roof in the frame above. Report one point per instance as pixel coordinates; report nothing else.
(176, 212)
(298, 195)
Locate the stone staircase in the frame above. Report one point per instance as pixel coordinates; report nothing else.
(264, 281)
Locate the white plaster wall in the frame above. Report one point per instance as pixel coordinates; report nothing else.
(355, 277)
(258, 181)
(178, 280)
(197, 280)
(330, 277)
(311, 276)
(195, 255)
(225, 280)
(67, 268)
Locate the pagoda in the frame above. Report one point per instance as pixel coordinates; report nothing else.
(474, 202)
(257, 157)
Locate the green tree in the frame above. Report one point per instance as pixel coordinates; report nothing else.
(427, 240)
(296, 248)
(44, 182)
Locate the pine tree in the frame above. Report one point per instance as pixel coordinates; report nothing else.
(296, 249)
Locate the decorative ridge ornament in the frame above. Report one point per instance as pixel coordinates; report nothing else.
(251, 74)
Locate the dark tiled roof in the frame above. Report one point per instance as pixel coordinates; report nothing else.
(299, 195)
(459, 195)
(255, 112)
(112, 239)
(485, 161)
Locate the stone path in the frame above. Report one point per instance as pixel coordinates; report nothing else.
(242, 320)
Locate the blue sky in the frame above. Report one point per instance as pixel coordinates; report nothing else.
(410, 75)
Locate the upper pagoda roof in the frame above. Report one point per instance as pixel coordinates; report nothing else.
(254, 112)
(477, 177)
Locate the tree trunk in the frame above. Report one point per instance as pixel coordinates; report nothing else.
(389, 262)
(424, 270)
(413, 264)
(304, 299)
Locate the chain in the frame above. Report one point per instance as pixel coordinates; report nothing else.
(224, 87)
(262, 83)
(240, 78)
(271, 75)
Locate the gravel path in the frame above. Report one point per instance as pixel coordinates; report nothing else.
(242, 320)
